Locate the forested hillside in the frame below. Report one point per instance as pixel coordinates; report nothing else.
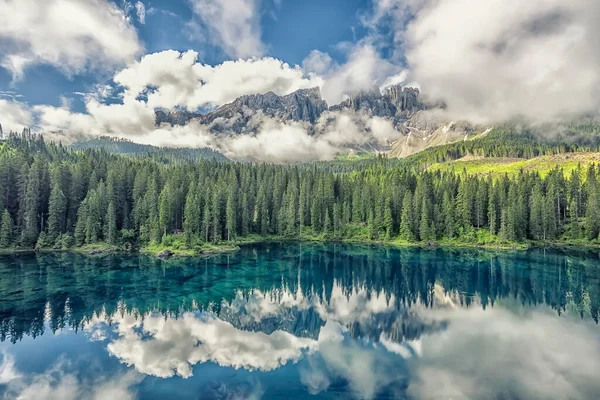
(126, 147)
(511, 142)
(52, 197)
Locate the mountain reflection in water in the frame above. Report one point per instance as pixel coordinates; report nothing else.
(299, 320)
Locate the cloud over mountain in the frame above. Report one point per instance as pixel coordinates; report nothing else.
(486, 62)
(170, 79)
(493, 60)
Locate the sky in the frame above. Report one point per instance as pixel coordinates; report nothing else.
(92, 67)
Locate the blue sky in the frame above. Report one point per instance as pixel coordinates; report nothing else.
(290, 30)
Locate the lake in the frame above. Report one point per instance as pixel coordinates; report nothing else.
(307, 321)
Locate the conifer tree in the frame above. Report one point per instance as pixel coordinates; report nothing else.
(406, 219)
(111, 222)
(549, 218)
(327, 226)
(448, 220)
(245, 215)
(80, 227)
(207, 219)
(31, 206)
(191, 214)
(231, 217)
(425, 225)
(388, 220)
(6, 230)
(57, 208)
(536, 221)
(216, 214)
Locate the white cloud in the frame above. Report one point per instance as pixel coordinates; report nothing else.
(290, 142)
(180, 80)
(497, 59)
(56, 383)
(367, 368)
(513, 353)
(364, 69)
(280, 142)
(171, 79)
(72, 35)
(274, 141)
(14, 116)
(318, 62)
(140, 10)
(165, 348)
(8, 372)
(233, 25)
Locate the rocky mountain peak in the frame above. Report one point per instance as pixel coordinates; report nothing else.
(404, 98)
(395, 102)
(304, 105)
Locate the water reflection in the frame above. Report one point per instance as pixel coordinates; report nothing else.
(275, 321)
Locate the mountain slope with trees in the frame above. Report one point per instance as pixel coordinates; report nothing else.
(52, 197)
(115, 145)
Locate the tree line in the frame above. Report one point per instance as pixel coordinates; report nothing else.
(53, 197)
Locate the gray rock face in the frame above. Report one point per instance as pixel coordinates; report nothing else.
(371, 102)
(173, 117)
(405, 99)
(395, 102)
(302, 105)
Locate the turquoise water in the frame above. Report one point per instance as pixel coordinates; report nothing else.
(282, 321)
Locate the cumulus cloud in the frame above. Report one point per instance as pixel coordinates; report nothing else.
(274, 140)
(277, 141)
(72, 35)
(364, 69)
(14, 116)
(291, 142)
(165, 348)
(513, 354)
(368, 369)
(61, 382)
(493, 60)
(178, 79)
(170, 79)
(318, 62)
(233, 25)
(128, 119)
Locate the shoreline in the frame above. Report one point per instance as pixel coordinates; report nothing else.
(166, 252)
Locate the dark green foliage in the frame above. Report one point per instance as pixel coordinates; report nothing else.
(165, 154)
(52, 197)
(6, 230)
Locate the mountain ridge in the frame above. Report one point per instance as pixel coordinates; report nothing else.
(401, 105)
(307, 105)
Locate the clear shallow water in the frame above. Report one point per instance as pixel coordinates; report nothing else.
(302, 321)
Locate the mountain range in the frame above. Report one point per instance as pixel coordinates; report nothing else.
(302, 105)
(402, 106)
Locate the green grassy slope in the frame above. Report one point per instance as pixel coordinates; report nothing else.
(492, 166)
